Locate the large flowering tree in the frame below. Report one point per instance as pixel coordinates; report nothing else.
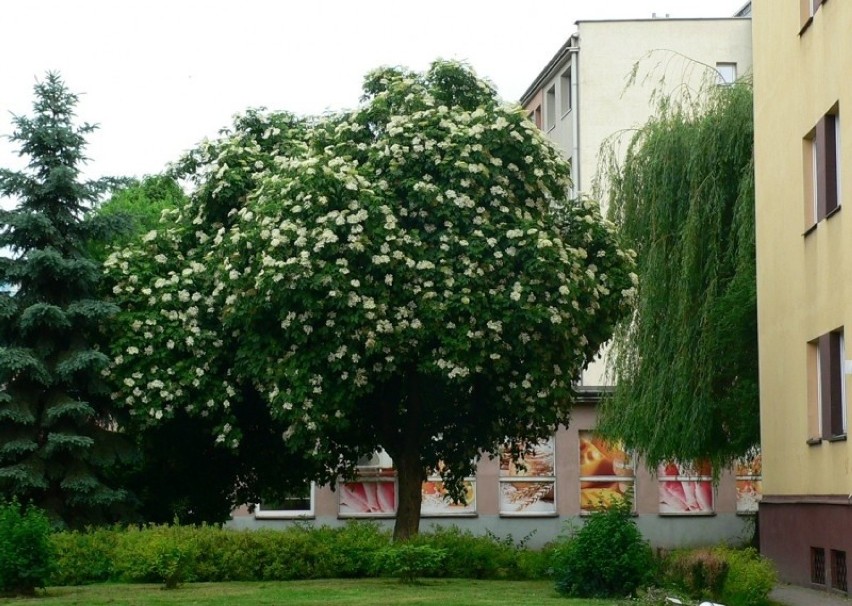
(406, 276)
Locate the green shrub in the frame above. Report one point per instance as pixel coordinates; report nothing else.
(26, 553)
(409, 562)
(156, 554)
(699, 573)
(84, 557)
(607, 557)
(750, 578)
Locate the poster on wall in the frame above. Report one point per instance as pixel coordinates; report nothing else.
(606, 472)
(686, 489)
(528, 486)
(368, 498)
(749, 474)
(436, 502)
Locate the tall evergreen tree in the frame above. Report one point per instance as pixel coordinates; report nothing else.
(58, 441)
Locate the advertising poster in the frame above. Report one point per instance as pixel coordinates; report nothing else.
(528, 487)
(749, 486)
(368, 498)
(686, 489)
(606, 473)
(436, 501)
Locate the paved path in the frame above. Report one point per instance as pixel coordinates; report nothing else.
(793, 595)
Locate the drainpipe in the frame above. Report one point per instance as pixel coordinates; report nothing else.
(575, 121)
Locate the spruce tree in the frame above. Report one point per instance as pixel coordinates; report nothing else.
(58, 437)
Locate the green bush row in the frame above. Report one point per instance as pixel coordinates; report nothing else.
(176, 554)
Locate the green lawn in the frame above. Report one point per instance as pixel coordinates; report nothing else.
(444, 592)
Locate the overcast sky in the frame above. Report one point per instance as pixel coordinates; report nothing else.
(158, 76)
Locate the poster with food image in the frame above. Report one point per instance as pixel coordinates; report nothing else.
(749, 470)
(436, 502)
(606, 473)
(686, 488)
(536, 464)
(527, 498)
(368, 498)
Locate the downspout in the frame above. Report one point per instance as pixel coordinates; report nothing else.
(575, 122)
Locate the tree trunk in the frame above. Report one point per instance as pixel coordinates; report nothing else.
(409, 472)
(408, 461)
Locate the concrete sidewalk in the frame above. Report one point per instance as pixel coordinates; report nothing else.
(794, 595)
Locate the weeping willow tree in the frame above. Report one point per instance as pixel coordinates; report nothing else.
(686, 361)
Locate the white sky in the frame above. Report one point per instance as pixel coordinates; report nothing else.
(158, 75)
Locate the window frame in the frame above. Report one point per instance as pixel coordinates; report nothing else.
(270, 514)
(565, 85)
(689, 473)
(507, 477)
(822, 169)
(550, 108)
(597, 478)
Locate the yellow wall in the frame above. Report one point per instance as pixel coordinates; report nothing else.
(798, 76)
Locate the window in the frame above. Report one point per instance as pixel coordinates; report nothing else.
(821, 164)
(295, 504)
(565, 92)
(807, 9)
(726, 73)
(550, 108)
(434, 500)
(373, 492)
(827, 392)
(748, 480)
(818, 565)
(535, 116)
(528, 487)
(838, 570)
(686, 489)
(606, 473)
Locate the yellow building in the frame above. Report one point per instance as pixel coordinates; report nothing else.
(802, 86)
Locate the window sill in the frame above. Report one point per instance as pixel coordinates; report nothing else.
(833, 211)
(813, 441)
(810, 230)
(273, 515)
(806, 25)
(707, 514)
(838, 438)
(530, 515)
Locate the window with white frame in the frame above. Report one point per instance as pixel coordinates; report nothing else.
(373, 492)
(726, 73)
(528, 485)
(292, 504)
(607, 473)
(685, 489)
(435, 501)
(565, 92)
(828, 392)
(550, 108)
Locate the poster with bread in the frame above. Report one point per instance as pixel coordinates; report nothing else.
(749, 472)
(528, 485)
(436, 502)
(606, 472)
(686, 488)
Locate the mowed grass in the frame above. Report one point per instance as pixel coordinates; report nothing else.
(443, 592)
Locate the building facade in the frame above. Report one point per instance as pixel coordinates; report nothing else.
(803, 254)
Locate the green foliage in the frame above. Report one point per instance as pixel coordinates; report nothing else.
(410, 562)
(408, 275)
(27, 556)
(60, 447)
(700, 573)
(735, 577)
(134, 210)
(607, 557)
(685, 362)
(176, 554)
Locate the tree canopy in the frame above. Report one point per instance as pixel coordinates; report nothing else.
(58, 442)
(406, 276)
(685, 361)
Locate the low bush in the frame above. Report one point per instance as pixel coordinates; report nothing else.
(734, 577)
(176, 554)
(27, 556)
(606, 558)
(698, 573)
(410, 562)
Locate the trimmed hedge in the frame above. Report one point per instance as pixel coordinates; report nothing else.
(176, 554)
